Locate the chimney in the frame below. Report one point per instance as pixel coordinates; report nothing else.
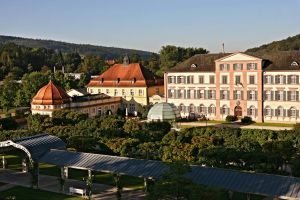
(223, 48)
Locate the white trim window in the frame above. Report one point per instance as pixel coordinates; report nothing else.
(225, 110)
(280, 111)
(252, 111)
(268, 95)
(292, 112)
(224, 79)
(268, 79)
(202, 109)
(293, 79)
(238, 66)
(238, 94)
(192, 108)
(224, 67)
(268, 111)
(252, 95)
(212, 109)
(181, 108)
(251, 66)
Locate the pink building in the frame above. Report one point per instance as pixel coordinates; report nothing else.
(264, 87)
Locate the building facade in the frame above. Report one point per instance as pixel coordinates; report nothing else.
(52, 97)
(236, 84)
(131, 81)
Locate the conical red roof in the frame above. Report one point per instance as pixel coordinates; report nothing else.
(51, 94)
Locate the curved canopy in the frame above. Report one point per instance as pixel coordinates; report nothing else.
(35, 146)
(163, 111)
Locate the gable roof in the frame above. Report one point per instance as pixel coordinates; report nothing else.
(132, 75)
(238, 56)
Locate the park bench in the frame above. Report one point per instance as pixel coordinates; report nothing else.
(81, 191)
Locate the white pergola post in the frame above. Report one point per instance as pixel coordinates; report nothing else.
(90, 173)
(65, 172)
(3, 162)
(24, 165)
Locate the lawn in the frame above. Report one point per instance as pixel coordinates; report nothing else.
(22, 193)
(14, 163)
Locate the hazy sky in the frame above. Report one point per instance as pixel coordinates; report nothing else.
(150, 24)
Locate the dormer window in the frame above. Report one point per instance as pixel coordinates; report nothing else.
(102, 80)
(193, 65)
(295, 63)
(118, 80)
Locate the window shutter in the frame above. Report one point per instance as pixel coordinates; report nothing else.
(248, 95)
(288, 95)
(272, 96)
(255, 95)
(265, 79)
(272, 79)
(284, 79)
(275, 112)
(284, 95)
(248, 111)
(297, 79)
(297, 113)
(184, 94)
(297, 95)
(276, 95)
(234, 94)
(264, 112)
(221, 94)
(285, 113)
(228, 95)
(256, 112)
(205, 94)
(289, 79)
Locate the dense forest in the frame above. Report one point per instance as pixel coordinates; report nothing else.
(82, 49)
(289, 44)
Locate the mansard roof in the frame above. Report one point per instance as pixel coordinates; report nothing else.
(200, 62)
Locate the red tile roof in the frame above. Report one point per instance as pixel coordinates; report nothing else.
(131, 75)
(51, 94)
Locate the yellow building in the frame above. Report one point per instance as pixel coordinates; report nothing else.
(131, 81)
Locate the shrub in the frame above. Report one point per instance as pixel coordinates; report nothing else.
(231, 118)
(246, 119)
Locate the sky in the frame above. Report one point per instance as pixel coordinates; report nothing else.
(150, 24)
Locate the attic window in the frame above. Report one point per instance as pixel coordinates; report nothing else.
(193, 65)
(102, 80)
(295, 63)
(118, 80)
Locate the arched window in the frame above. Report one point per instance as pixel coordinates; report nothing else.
(224, 110)
(292, 112)
(280, 111)
(212, 109)
(192, 108)
(252, 111)
(268, 111)
(201, 108)
(181, 107)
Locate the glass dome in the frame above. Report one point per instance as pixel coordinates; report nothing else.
(163, 112)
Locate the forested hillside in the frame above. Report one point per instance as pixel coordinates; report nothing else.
(82, 49)
(289, 44)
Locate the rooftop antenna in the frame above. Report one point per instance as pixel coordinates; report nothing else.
(223, 47)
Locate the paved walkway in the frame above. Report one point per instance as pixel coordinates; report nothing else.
(235, 125)
(51, 183)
